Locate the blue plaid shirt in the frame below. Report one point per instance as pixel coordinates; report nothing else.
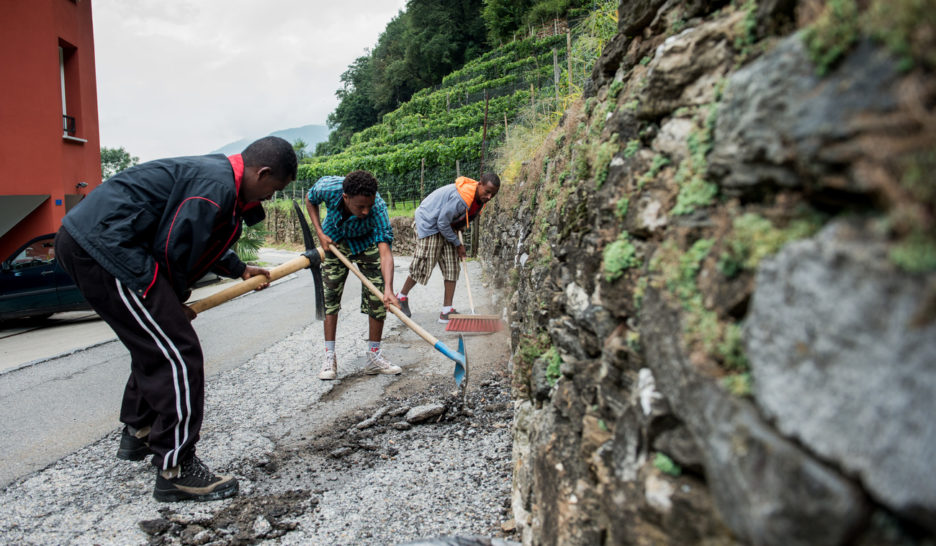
(359, 234)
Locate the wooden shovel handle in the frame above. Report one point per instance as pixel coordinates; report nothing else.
(431, 339)
(241, 288)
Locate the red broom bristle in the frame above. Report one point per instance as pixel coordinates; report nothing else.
(474, 325)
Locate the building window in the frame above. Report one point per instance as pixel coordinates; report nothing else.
(71, 95)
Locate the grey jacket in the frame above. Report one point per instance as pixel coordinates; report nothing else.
(437, 212)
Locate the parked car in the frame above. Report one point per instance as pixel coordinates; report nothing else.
(33, 284)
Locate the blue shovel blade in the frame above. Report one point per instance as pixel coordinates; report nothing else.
(460, 358)
(461, 368)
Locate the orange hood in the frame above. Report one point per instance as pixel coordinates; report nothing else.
(467, 189)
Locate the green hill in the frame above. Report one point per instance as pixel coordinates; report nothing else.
(438, 133)
(444, 125)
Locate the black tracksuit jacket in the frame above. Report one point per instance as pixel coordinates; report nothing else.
(176, 217)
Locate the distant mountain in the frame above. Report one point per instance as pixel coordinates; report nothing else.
(310, 134)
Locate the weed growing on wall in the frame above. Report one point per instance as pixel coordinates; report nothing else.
(832, 34)
(666, 465)
(553, 363)
(603, 156)
(754, 237)
(738, 384)
(618, 256)
(694, 190)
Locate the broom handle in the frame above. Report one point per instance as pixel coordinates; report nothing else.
(465, 261)
(432, 340)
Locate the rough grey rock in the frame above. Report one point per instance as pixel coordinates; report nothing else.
(778, 119)
(372, 420)
(521, 496)
(633, 16)
(422, 413)
(398, 411)
(463, 541)
(538, 381)
(681, 447)
(261, 527)
(687, 67)
(671, 139)
(768, 490)
(839, 365)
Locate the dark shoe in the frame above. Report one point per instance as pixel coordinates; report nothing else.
(192, 481)
(404, 306)
(444, 317)
(133, 445)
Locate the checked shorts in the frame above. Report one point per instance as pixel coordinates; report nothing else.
(432, 250)
(335, 274)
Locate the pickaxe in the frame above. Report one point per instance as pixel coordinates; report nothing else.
(311, 258)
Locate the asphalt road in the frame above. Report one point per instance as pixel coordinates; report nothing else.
(49, 408)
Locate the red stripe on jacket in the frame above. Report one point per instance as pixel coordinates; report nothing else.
(237, 165)
(172, 225)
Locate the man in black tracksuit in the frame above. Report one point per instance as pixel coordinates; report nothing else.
(135, 246)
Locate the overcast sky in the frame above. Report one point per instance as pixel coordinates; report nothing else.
(185, 77)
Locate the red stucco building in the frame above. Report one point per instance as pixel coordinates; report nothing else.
(49, 143)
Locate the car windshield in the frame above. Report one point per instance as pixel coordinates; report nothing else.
(38, 252)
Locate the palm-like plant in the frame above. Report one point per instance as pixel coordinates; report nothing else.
(252, 238)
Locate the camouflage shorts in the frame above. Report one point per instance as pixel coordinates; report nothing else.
(335, 274)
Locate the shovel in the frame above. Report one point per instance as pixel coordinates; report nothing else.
(460, 357)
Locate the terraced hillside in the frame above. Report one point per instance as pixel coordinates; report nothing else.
(439, 132)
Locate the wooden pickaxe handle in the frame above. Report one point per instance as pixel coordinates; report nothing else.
(241, 288)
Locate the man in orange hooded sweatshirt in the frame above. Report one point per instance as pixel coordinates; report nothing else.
(445, 211)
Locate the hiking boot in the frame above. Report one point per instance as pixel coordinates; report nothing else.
(133, 444)
(444, 317)
(329, 366)
(192, 480)
(376, 363)
(404, 306)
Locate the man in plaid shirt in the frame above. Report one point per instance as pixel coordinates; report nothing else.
(357, 223)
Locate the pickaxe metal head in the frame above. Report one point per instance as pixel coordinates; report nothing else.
(315, 263)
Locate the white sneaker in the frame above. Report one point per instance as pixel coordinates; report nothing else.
(376, 363)
(329, 366)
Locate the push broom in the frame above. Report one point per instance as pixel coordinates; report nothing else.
(478, 324)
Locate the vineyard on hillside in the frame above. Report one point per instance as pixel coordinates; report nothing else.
(438, 133)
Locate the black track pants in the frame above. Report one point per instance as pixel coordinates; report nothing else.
(166, 388)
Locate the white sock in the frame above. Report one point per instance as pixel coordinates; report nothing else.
(330, 346)
(446, 309)
(373, 346)
(401, 296)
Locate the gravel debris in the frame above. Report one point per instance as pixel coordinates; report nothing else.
(317, 462)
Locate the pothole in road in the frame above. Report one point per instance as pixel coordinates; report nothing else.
(331, 456)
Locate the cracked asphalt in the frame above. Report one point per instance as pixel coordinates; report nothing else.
(314, 465)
